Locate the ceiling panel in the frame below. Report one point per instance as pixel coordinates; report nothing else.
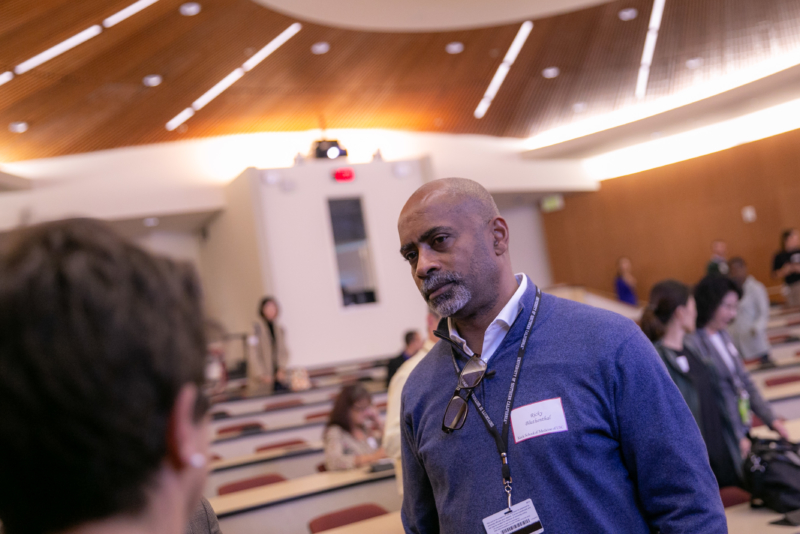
(92, 97)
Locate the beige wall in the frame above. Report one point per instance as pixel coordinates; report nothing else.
(528, 247)
(181, 246)
(302, 259)
(234, 272)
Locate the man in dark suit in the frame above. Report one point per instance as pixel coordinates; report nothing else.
(413, 344)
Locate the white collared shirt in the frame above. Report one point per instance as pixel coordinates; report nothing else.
(495, 332)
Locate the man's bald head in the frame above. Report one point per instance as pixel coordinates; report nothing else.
(455, 193)
(456, 243)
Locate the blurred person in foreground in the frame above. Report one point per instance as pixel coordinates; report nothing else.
(669, 316)
(718, 264)
(749, 329)
(353, 435)
(625, 283)
(103, 425)
(717, 298)
(413, 342)
(391, 433)
(267, 360)
(576, 425)
(786, 265)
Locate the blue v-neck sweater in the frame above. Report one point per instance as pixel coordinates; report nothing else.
(632, 461)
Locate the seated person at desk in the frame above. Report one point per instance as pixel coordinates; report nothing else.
(353, 435)
(413, 343)
(104, 429)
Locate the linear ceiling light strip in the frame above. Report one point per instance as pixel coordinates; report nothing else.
(649, 48)
(502, 70)
(75, 40)
(129, 11)
(234, 76)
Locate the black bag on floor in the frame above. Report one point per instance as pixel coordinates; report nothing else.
(772, 474)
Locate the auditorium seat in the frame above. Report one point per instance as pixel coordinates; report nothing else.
(731, 496)
(249, 483)
(780, 380)
(296, 443)
(219, 415)
(283, 404)
(243, 428)
(756, 421)
(345, 517)
(321, 467)
(325, 371)
(381, 406)
(317, 416)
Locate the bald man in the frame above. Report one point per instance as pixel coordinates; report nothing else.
(534, 413)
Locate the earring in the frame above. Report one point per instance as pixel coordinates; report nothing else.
(198, 460)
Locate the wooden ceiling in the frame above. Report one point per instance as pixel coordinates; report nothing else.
(92, 97)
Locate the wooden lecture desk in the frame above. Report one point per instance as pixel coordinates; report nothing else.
(384, 524)
(248, 404)
(291, 462)
(287, 507)
(284, 414)
(246, 443)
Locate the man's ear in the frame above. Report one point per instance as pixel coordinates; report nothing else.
(499, 229)
(186, 439)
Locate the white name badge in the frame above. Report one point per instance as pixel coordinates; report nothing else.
(522, 519)
(683, 363)
(538, 419)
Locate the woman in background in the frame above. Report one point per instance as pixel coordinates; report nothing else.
(353, 435)
(266, 366)
(669, 316)
(625, 283)
(717, 298)
(786, 265)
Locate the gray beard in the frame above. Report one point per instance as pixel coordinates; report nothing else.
(452, 300)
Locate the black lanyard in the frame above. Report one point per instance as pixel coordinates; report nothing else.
(501, 440)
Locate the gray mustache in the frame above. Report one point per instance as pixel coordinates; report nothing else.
(436, 280)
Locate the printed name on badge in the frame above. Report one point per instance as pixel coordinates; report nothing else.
(538, 419)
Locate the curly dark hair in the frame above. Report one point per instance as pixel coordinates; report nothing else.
(97, 337)
(708, 295)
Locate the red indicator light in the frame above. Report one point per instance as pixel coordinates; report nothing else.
(345, 174)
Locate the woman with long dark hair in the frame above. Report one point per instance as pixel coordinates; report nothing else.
(717, 298)
(267, 361)
(786, 264)
(353, 434)
(669, 316)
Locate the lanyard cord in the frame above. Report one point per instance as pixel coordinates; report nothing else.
(501, 440)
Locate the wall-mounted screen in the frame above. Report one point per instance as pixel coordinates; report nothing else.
(353, 257)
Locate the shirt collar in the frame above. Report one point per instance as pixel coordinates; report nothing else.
(506, 316)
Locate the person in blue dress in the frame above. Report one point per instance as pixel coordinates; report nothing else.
(625, 283)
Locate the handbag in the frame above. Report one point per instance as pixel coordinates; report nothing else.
(772, 474)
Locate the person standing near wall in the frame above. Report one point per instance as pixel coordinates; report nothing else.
(577, 426)
(717, 299)
(749, 329)
(669, 316)
(267, 360)
(625, 283)
(786, 265)
(719, 262)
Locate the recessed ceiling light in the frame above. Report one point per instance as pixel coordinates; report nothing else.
(694, 63)
(18, 127)
(320, 48)
(454, 48)
(150, 222)
(190, 9)
(551, 72)
(151, 80)
(628, 14)
(579, 107)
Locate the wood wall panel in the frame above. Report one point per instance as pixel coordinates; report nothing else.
(665, 219)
